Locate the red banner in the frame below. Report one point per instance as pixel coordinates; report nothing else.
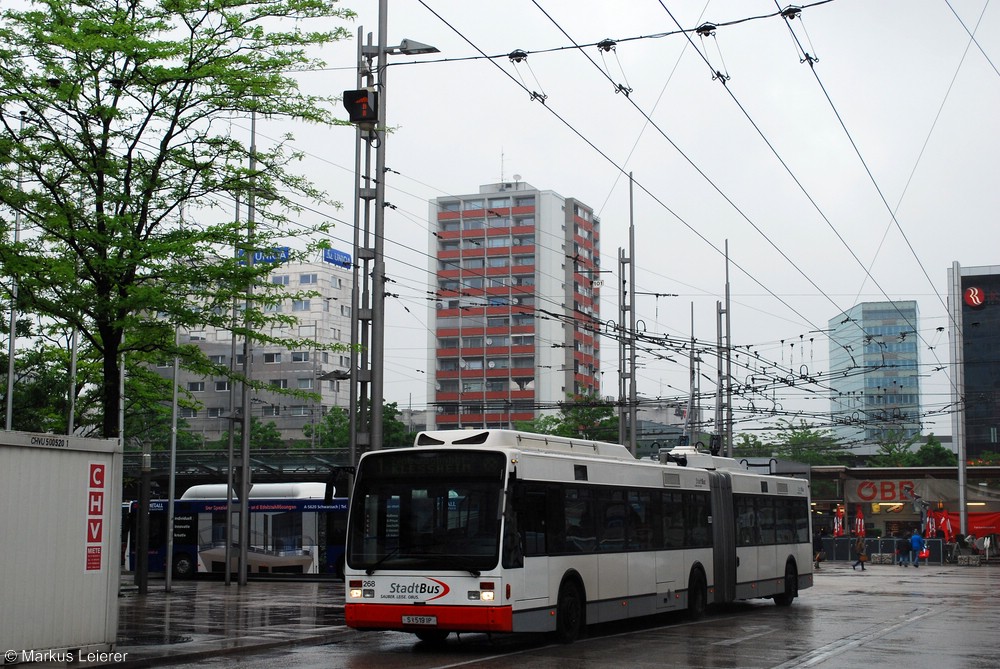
(979, 524)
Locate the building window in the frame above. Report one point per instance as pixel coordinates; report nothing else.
(272, 410)
(222, 386)
(279, 383)
(300, 305)
(308, 279)
(299, 410)
(197, 336)
(215, 412)
(196, 386)
(304, 384)
(524, 201)
(300, 356)
(162, 364)
(188, 412)
(472, 205)
(280, 280)
(217, 359)
(272, 358)
(451, 205)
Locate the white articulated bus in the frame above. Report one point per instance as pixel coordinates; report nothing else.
(504, 531)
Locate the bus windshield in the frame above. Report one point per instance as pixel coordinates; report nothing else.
(427, 509)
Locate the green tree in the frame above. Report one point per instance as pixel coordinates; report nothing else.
(807, 444)
(333, 431)
(750, 446)
(543, 424)
(41, 385)
(894, 449)
(582, 417)
(262, 436)
(933, 454)
(116, 117)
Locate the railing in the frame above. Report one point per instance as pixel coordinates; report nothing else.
(841, 549)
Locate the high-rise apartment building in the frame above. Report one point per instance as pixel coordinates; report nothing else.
(514, 319)
(874, 356)
(974, 305)
(323, 318)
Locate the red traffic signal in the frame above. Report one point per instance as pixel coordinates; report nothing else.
(362, 106)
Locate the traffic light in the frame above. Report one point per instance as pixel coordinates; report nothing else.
(361, 105)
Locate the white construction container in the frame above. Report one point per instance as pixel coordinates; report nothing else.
(60, 538)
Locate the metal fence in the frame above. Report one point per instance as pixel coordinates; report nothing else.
(841, 549)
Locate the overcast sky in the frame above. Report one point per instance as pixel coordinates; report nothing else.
(881, 155)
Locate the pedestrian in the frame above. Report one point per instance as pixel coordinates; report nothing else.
(859, 550)
(916, 545)
(819, 554)
(902, 550)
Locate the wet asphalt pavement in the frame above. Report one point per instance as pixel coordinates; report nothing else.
(935, 617)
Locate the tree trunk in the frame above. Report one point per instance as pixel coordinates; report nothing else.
(110, 393)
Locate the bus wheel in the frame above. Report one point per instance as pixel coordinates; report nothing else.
(791, 587)
(432, 637)
(697, 595)
(183, 566)
(569, 613)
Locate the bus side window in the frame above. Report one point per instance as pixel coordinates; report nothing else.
(673, 521)
(580, 533)
(784, 523)
(531, 520)
(613, 521)
(765, 520)
(640, 531)
(696, 510)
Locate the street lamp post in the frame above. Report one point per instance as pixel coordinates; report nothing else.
(368, 296)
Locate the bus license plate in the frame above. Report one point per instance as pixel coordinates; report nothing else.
(420, 620)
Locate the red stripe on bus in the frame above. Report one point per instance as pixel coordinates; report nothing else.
(451, 618)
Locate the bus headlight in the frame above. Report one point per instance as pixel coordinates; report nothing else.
(481, 595)
(356, 591)
(484, 594)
